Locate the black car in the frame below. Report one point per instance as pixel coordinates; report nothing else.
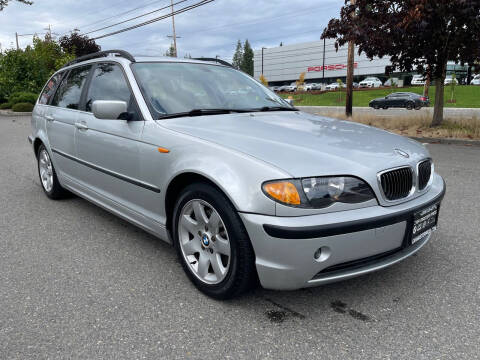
(401, 100)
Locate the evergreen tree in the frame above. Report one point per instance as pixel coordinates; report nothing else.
(238, 56)
(247, 60)
(171, 51)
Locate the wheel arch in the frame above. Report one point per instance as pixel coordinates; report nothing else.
(177, 184)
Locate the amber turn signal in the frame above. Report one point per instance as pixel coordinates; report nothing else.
(163, 150)
(283, 191)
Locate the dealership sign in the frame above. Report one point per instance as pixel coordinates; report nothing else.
(330, 67)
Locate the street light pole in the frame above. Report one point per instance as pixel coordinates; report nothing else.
(16, 38)
(263, 48)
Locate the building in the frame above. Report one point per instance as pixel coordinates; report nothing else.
(322, 63)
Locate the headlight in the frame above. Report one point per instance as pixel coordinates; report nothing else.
(319, 192)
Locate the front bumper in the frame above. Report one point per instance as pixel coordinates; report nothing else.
(352, 243)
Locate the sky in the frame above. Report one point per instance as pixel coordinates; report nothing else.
(210, 30)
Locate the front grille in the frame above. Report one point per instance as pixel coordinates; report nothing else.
(424, 174)
(397, 184)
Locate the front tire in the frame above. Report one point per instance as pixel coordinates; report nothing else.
(410, 106)
(212, 243)
(48, 176)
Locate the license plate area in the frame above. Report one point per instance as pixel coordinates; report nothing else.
(425, 222)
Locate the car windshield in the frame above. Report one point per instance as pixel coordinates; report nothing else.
(180, 87)
(370, 79)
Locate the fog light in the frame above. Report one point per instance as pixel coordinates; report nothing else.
(322, 254)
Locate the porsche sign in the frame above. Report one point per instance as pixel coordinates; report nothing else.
(330, 67)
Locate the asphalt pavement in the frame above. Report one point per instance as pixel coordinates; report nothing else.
(78, 282)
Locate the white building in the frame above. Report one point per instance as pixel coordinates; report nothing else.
(284, 64)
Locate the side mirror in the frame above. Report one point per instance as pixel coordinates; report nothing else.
(109, 109)
(289, 101)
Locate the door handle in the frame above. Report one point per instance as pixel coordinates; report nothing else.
(49, 118)
(81, 126)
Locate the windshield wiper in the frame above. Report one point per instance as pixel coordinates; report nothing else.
(200, 112)
(276, 108)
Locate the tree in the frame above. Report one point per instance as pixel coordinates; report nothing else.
(247, 60)
(78, 45)
(171, 51)
(300, 81)
(28, 70)
(263, 80)
(415, 34)
(4, 3)
(238, 56)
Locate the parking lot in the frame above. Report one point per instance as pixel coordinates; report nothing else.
(76, 281)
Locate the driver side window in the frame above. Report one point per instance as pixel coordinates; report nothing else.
(109, 83)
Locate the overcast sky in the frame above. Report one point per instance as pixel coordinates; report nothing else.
(209, 30)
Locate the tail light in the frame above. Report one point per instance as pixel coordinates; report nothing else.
(423, 98)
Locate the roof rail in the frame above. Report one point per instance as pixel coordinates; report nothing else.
(99, 54)
(223, 62)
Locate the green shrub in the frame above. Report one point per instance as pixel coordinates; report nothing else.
(22, 97)
(22, 107)
(5, 106)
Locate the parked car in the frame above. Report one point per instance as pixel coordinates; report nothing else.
(370, 82)
(273, 88)
(334, 86)
(356, 85)
(475, 80)
(449, 80)
(405, 100)
(389, 82)
(282, 88)
(242, 186)
(308, 87)
(418, 80)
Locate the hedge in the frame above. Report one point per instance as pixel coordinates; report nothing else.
(5, 106)
(22, 97)
(22, 107)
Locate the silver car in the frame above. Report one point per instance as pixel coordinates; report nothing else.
(245, 187)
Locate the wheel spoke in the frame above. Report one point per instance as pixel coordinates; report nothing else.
(222, 246)
(203, 265)
(188, 223)
(214, 222)
(191, 247)
(199, 211)
(217, 266)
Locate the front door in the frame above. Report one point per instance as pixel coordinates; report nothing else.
(109, 149)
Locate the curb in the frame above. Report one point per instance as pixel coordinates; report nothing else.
(446, 141)
(11, 113)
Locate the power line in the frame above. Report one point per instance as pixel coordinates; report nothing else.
(182, 10)
(122, 13)
(136, 17)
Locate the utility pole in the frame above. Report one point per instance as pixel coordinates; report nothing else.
(263, 48)
(323, 67)
(174, 34)
(16, 38)
(350, 69)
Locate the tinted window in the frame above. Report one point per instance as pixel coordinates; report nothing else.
(70, 89)
(108, 83)
(49, 89)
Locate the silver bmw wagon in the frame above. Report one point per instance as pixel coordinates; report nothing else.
(241, 183)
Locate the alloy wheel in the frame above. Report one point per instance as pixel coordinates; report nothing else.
(204, 241)
(46, 170)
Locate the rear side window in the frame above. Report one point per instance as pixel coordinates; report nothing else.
(49, 89)
(108, 83)
(70, 89)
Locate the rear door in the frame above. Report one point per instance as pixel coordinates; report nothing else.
(61, 117)
(109, 149)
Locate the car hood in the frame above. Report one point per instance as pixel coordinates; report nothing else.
(302, 144)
